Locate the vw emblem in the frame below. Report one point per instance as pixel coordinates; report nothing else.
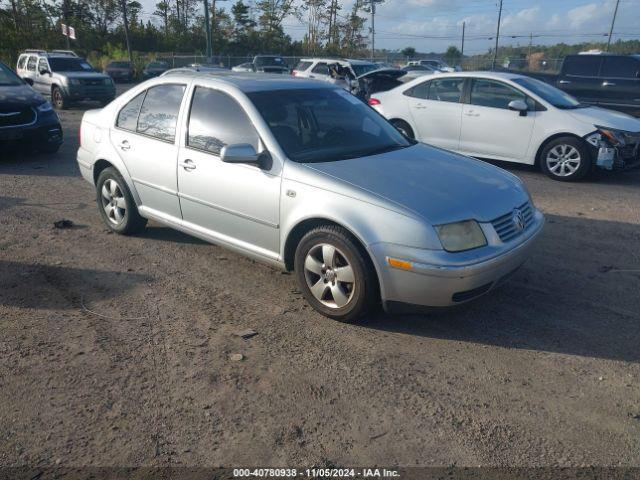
(517, 218)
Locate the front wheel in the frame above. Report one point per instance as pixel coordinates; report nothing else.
(58, 100)
(116, 204)
(334, 274)
(566, 159)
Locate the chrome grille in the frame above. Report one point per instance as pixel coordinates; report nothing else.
(507, 229)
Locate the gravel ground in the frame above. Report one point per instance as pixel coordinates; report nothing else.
(116, 350)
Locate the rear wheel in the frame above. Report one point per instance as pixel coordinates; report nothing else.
(334, 274)
(116, 204)
(566, 159)
(404, 128)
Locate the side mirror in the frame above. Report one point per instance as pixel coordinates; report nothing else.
(28, 81)
(43, 71)
(243, 153)
(519, 106)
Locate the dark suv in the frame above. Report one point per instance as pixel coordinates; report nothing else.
(26, 118)
(609, 81)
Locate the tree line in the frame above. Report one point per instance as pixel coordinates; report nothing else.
(178, 26)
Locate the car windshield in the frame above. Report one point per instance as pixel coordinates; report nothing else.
(551, 94)
(8, 78)
(269, 62)
(362, 68)
(69, 65)
(324, 125)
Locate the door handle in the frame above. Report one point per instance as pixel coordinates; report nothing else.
(471, 114)
(420, 105)
(188, 165)
(124, 145)
(608, 84)
(564, 82)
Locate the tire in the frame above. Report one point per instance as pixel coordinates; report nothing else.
(404, 128)
(58, 100)
(330, 259)
(116, 204)
(566, 159)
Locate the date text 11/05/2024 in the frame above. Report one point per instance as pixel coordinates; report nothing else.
(316, 473)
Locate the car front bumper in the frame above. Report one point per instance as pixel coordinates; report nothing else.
(46, 131)
(78, 93)
(442, 279)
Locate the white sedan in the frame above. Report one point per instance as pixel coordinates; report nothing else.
(514, 118)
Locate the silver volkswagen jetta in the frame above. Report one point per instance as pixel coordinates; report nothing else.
(306, 177)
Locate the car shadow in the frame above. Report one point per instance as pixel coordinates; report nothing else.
(579, 294)
(40, 286)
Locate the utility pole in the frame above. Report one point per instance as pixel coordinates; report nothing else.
(462, 46)
(373, 29)
(495, 51)
(65, 15)
(207, 24)
(613, 21)
(126, 27)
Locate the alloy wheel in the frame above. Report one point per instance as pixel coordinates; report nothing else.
(329, 275)
(563, 160)
(113, 201)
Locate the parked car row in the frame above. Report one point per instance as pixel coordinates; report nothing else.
(304, 176)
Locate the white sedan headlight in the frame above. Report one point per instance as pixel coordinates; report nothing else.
(460, 236)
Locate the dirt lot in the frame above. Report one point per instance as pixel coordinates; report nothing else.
(544, 371)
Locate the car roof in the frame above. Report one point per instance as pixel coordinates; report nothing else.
(248, 82)
(480, 74)
(343, 60)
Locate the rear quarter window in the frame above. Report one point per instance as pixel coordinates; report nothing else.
(128, 116)
(22, 61)
(302, 66)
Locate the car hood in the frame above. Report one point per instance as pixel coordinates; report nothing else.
(435, 184)
(88, 75)
(606, 118)
(18, 97)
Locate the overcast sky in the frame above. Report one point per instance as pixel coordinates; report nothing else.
(432, 25)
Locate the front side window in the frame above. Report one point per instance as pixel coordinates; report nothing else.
(217, 120)
(489, 93)
(325, 124)
(620, 67)
(446, 89)
(31, 64)
(128, 116)
(42, 64)
(159, 112)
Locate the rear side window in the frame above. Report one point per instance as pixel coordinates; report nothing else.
(620, 67)
(302, 66)
(217, 120)
(446, 89)
(159, 112)
(31, 64)
(489, 93)
(582, 65)
(419, 91)
(128, 116)
(21, 62)
(321, 69)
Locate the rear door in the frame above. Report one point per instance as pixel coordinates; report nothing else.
(436, 108)
(581, 77)
(620, 82)
(489, 128)
(320, 71)
(42, 81)
(145, 138)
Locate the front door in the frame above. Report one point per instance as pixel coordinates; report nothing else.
(621, 83)
(489, 129)
(436, 110)
(145, 138)
(237, 203)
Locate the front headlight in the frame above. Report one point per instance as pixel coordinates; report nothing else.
(460, 236)
(614, 136)
(44, 107)
(108, 81)
(74, 81)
